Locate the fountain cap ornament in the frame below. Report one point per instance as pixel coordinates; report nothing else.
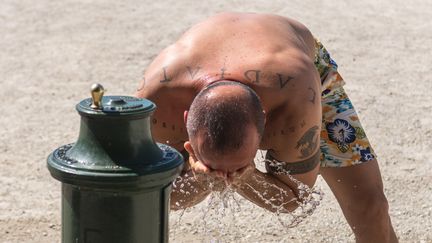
(97, 91)
(112, 106)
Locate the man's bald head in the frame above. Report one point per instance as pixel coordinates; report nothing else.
(221, 115)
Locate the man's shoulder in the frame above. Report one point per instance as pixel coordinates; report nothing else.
(164, 74)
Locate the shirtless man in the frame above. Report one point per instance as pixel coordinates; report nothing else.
(236, 83)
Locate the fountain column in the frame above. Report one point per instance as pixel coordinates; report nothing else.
(116, 181)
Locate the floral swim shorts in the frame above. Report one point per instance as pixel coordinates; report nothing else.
(343, 140)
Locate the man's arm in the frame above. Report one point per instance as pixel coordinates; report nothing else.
(305, 171)
(275, 190)
(295, 152)
(267, 192)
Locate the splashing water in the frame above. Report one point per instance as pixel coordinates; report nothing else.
(308, 198)
(225, 216)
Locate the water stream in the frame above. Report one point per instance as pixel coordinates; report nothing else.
(225, 216)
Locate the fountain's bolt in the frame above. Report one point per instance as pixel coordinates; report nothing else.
(97, 91)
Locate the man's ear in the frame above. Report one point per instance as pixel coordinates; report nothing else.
(185, 114)
(188, 146)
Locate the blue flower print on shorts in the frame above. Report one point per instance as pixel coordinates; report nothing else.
(366, 155)
(342, 133)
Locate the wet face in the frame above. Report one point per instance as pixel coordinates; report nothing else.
(230, 162)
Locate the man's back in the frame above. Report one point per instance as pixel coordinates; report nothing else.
(271, 54)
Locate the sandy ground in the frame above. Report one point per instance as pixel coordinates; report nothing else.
(51, 51)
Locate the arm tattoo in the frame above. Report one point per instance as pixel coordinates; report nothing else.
(279, 167)
(166, 78)
(308, 142)
(257, 73)
(282, 82)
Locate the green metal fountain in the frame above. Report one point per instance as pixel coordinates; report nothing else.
(116, 181)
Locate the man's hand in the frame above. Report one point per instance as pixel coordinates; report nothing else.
(202, 171)
(213, 179)
(219, 180)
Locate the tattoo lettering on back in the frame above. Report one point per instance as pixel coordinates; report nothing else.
(252, 79)
(313, 95)
(222, 75)
(303, 123)
(282, 81)
(166, 78)
(141, 86)
(252, 75)
(308, 142)
(192, 72)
